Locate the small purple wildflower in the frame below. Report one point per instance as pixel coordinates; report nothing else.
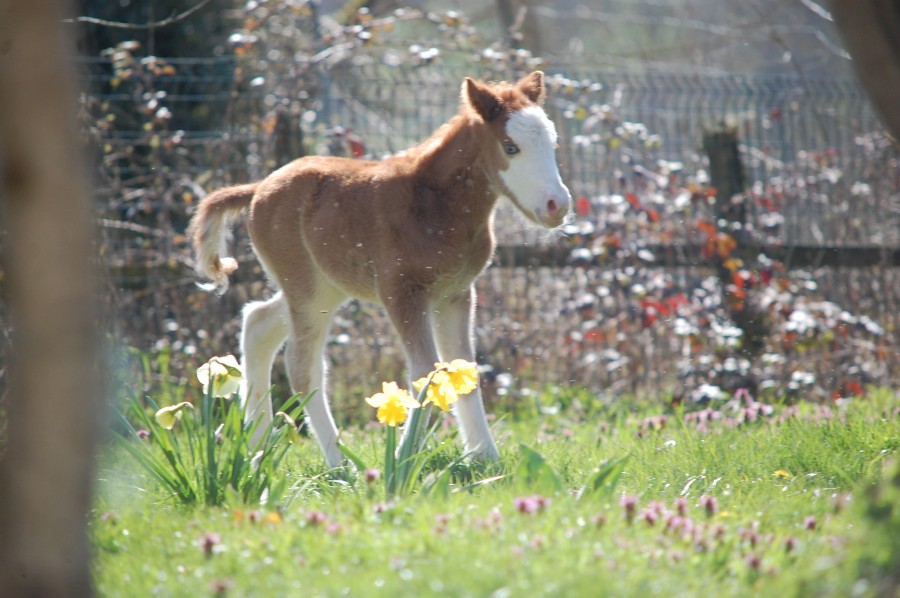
(744, 394)
(810, 523)
(790, 544)
(531, 504)
(316, 518)
(750, 535)
(209, 542)
(629, 504)
(525, 504)
(674, 522)
(372, 475)
(753, 561)
(710, 504)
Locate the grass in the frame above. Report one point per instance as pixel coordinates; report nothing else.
(797, 503)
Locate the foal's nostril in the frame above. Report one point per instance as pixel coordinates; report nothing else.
(551, 206)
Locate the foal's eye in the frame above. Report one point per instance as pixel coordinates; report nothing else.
(510, 148)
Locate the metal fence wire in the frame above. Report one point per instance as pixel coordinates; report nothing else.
(619, 307)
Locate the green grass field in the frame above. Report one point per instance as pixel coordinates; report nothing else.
(803, 501)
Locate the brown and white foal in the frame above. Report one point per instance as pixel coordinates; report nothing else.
(411, 232)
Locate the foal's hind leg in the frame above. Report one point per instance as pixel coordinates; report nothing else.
(453, 321)
(262, 335)
(306, 368)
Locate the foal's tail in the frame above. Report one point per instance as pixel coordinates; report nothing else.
(208, 228)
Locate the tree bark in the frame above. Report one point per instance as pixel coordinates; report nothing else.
(871, 32)
(54, 398)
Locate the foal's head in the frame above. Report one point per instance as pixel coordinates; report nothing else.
(522, 161)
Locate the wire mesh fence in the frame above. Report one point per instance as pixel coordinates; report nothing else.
(616, 312)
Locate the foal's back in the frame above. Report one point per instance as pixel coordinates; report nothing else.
(347, 223)
(330, 217)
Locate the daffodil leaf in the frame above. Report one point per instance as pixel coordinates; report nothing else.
(603, 480)
(535, 472)
(354, 458)
(437, 484)
(483, 482)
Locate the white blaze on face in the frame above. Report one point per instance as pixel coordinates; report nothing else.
(532, 177)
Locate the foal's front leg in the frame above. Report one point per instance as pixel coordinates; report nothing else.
(453, 324)
(410, 315)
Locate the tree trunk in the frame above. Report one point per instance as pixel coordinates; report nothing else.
(871, 32)
(45, 213)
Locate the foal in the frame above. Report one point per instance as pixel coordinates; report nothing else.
(411, 232)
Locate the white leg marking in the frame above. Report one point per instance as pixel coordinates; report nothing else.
(453, 322)
(262, 335)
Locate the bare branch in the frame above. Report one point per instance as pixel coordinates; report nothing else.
(141, 26)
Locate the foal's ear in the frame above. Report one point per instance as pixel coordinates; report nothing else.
(533, 87)
(482, 99)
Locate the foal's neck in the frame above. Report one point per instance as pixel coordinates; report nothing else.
(452, 165)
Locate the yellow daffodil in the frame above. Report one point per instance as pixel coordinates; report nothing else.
(448, 381)
(463, 375)
(440, 392)
(224, 373)
(392, 404)
(167, 416)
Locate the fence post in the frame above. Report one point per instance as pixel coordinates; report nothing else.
(288, 138)
(726, 173)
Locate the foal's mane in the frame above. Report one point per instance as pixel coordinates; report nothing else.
(456, 144)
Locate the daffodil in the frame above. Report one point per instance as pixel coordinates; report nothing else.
(463, 375)
(224, 373)
(440, 392)
(167, 416)
(392, 404)
(448, 381)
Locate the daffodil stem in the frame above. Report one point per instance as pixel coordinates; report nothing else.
(390, 457)
(412, 444)
(408, 448)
